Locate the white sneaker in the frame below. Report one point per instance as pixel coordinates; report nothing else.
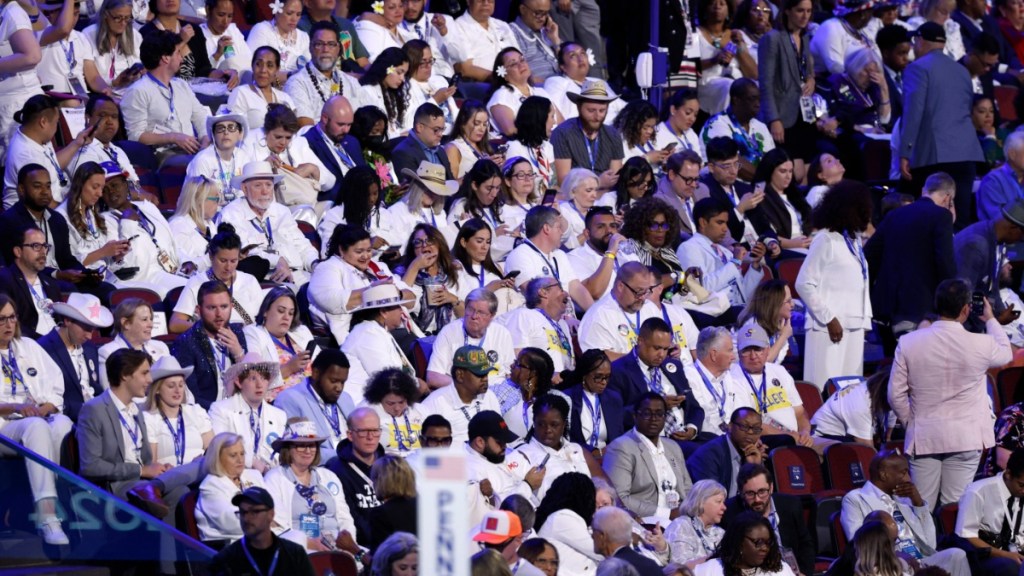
(53, 534)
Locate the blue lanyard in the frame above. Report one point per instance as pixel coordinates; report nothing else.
(526, 416)
(654, 381)
(225, 176)
(343, 154)
(252, 562)
(220, 354)
(169, 87)
(682, 141)
(572, 204)
(267, 231)
(126, 344)
(256, 425)
(40, 299)
(762, 393)
(488, 215)
(593, 147)
(563, 340)
(635, 327)
(133, 433)
(286, 345)
(552, 268)
(61, 176)
(671, 328)
(433, 219)
(408, 433)
(595, 416)
(69, 55)
(858, 253)
(719, 400)
(179, 437)
(482, 275)
(330, 412)
(12, 372)
(465, 336)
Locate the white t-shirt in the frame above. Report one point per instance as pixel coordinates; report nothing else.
(241, 60)
(446, 402)
(12, 19)
(532, 263)
(664, 135)
(293, 49)
(209, 163)
(684, 331)
(847, 412)
(780, 396)
(605, 326)
(65, 59)
(512, 99)
(585, 261)
(497, 341)
(250, 103)
(531, 328)
(22, 150)
(196, 423)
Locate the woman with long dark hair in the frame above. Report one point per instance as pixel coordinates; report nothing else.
(636, 181)
(93, 236)
(429, 270)
(510, 87)
(749, 547)
(531, 378)
(384, 86)
(472, 251)
(858, 412)
(363, 206)
(637, 123)
(784, 205)
(469, 140)
(370, 129)
(534, 123)
(479, 197)
(564, 517)
(771, 307)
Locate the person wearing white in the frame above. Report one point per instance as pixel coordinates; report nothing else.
(684, 331)
(133, 328)
(33, 388)
(377, 38)
(599, 258)
(571, 536)
(261, 221)
(993, 507)
(69, 63)
(245, 411)
(511, 97)
(373, 95)
(577, 195)
(179, 432)
(575, 66)
(311, 87)
(424, 202)
(192, 222)
(566, 457)
(467, 395)
(226, 475)
(31, 143)
(106, 116)
(18, 80)
(393, 395)
(539, 255)
(220, 33)
(245, 290)
(433, 29)
(486, 461)
(370, 343)
(475, 328)
(848, 414)
(252, 99)
(678, 129)
(711, 382)
(380, 223)
(92, 239)
(613, 323)
(115, 55)
(282, 146)
(837, 37)
(724, 124)
(541, 324)
(476, 38)
(259, 340)
(282, 34)
(225, 159)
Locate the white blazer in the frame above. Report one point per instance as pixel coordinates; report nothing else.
(232, 415)
(215, 514)
(833, 285)
(572, 538)
(258, 340)
(42, 376)
(283, 491)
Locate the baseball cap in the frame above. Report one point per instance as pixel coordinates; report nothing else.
(472, 358)
(752, 335)
(254, 495)
(490, 424)
(931, 32)
(498, 526)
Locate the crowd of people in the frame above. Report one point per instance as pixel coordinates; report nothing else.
(405, 225)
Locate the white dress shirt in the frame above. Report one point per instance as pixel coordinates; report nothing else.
(297, 153)
(248, 101)
(469, 40)
(719, 404)
(719, 275)
(131, 431)
(282, 236)
(983, 507)
(424, 29)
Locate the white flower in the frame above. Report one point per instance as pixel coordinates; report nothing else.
(378, 7)
(590, 57)
(391, 70)
(501, 71)
(277, 7)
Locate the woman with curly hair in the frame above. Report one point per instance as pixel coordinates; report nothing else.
(784, 206)
(636, 181)
(534, 123)
(470, 138)
(833, 283)
(770, 308)
(364, 207)
(651, 227)
(384, 86)
(637, 123)
(393, 394)
(93, 236)
(510, 87)
(479, 197)
(564, 517)
(748, 548)
(428, 268)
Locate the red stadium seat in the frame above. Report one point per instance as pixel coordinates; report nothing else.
(838, 536)
(787, 270)
(947, 517)
(337, 563)
(847, 465)
(810, 396)
(1005, 95)
(1008, 385)
(797, 470)
(122, 294)
(185, 514)
(421, 355)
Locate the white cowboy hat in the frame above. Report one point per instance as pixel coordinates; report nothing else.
(431, 177)
(252, 360)
(167, 366)
(381, 296)
(254, 170)
(225, 115)
(593, 90)
(85, 309)
(299, 431)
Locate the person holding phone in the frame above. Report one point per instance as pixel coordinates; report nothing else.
(637, 122)
(430, 271)
(93, 236)
(278, 333)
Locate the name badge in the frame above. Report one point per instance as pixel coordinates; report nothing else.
(310, 524)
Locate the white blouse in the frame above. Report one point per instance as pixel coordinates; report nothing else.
(292, 49)
(93, 239)
(195, 422)
(248, 101)
(191, 242)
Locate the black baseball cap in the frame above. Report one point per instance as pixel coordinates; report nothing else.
(254, 495)
(931, 32)
(490, 424)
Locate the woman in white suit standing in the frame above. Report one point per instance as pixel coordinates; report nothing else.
(833, 283)
(226, 476)
(564, 517)
(279, 334)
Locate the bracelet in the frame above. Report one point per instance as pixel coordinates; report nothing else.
(886, 103)
(610, 255)
(33, 18)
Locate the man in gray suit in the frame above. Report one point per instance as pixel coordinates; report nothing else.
(320, 400)
(681, 188)
(632, 462)
(937, 133)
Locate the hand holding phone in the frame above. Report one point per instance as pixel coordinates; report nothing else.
(310, 347)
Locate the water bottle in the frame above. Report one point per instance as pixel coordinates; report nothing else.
(229, 51)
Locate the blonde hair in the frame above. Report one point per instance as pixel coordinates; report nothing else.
(152, 403)
(193, 196)
(393, 478)
(211, 460)
(126, 310)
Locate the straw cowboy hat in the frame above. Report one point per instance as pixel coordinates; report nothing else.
(381, 296)
(431, 177)
(254, 170)
(593, 90)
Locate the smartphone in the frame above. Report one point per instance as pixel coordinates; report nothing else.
(455, 80)
(310, 347)
(670, 146)
(731, 48)
(544, 462)
(977, 303)
(501, 149)
(549, 197)
(132, 239)
(510, 275)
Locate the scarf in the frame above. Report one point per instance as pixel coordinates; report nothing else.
(439, 316)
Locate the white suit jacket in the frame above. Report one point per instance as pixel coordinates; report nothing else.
(215, 514)
(42, 376)
(570, 535)
(232, 415)
(860, 502)
(832, 284)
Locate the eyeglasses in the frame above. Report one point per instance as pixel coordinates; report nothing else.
(538, 13)
(655, 226)
(524, 176)
(120, 19)
(227, 128)
(37, 246)
(421, 242)
(436, 130)
(689, 181)
(250, 512)
(646, 184)
(12, 319)
(641, 292)
(304, 447)
(437, 440)
(758, 542)
(756, 493)
(651, 414)
(368, 432)
(321, 45)
(598, 378)
(748, 429)
(427, 62)
(727, 166)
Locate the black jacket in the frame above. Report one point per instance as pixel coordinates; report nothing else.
(395, 515)
(355, 482)
(792, 527)
(611, 412)
(645, 566)
(73, 398)
(630, 383)
(408, 154)
(17, 217)
(292, 560)
(327, 157)
(12, 283)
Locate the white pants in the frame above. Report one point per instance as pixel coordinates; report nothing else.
(824, 359)
(952, 560)
(44, 437)
(942, 478)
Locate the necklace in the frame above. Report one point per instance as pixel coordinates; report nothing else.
(336, 87)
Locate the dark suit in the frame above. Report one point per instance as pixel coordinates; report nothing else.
(909, 254)
(776, 214)
(969, 32)
(73, 398)
(645, 566)
(17, 217)
(895, 97)
(319, 146)
(611, 414)
(409, 153)
(193, 348)
(792, 527)
(736, 225)
(13, 283)
(713, 461)
(630, 382)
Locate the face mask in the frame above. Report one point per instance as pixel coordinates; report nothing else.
(376, 142)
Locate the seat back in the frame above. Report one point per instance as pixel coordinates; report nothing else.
(787, 270)
(337, 563)
(837, 383)
(1008, 385)
(185, 514)
(310, 233)
(797, 470)
(810, 396)
(122, 294)
(825, 508)
(947, 517)
(838, 536)
(847, 465)
(421, 351)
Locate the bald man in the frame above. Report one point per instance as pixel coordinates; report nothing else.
(330, 141)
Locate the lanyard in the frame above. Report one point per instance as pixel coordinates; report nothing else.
(536, 155)
(41, 300)
(593, 146)
(286, 345)
(672, 329)
(252, 562)
(169, 87)
(126, 343)
(552, 268)
(408, 433)
(481, 277)
(69, 55)
(654, 381)
(719, 400)
(488, 215)
(343, 154)
(133, 433)
(224, 175)
(563, 340)
(595, 416)
(330, 412)
(858, 253)
(179, 437)
(634, 327)
(256, 425)
(11, 371)
(465, 411)
(572, 204)
(698, 527)
(309, 494)
(465, 337)
(801, 56)
(220, 354)
(267, 231)
(761, 393)
(61, 176)
(681, 140)
(433, 218)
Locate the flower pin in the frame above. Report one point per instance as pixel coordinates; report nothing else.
(501, 71)
(378, 7)
(590, 57)
(391, 70)
(276, 7)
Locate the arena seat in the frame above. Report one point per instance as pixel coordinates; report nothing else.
(810, 396)
(847, 465)
(338, 563)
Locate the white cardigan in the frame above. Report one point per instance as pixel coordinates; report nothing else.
(258, 340)
(282, 490)
(215, 514)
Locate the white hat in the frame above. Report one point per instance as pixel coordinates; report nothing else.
(381, 296)
(255, 170)
(252, 360)
(298, 431)
(167, 366)
(85, 309)
(225, 115)
(431, 176)
(593, 90)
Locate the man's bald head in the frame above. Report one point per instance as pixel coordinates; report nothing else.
(336, 118)
(885, 519)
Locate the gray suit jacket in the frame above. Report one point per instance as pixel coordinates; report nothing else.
(631, 469)
(778, 70)
(297, 401)
(936, 119)
(101, 445)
